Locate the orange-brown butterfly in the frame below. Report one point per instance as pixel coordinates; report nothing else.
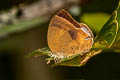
(66, 37)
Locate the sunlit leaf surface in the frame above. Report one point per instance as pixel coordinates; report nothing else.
(95, 20)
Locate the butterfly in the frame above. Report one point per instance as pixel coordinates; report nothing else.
(66, 37)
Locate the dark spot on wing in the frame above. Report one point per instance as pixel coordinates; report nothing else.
(73, 34)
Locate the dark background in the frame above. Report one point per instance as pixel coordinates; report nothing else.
(13, 48)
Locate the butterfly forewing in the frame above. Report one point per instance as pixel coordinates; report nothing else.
(65, 39)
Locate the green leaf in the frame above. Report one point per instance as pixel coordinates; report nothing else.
(78, 60)
(107, 34)
(118, 20)
(39, 52)
(116, 44)
(95, 20)
(20, 26)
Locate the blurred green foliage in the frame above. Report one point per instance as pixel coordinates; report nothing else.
(95, 20)
(20, 26)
